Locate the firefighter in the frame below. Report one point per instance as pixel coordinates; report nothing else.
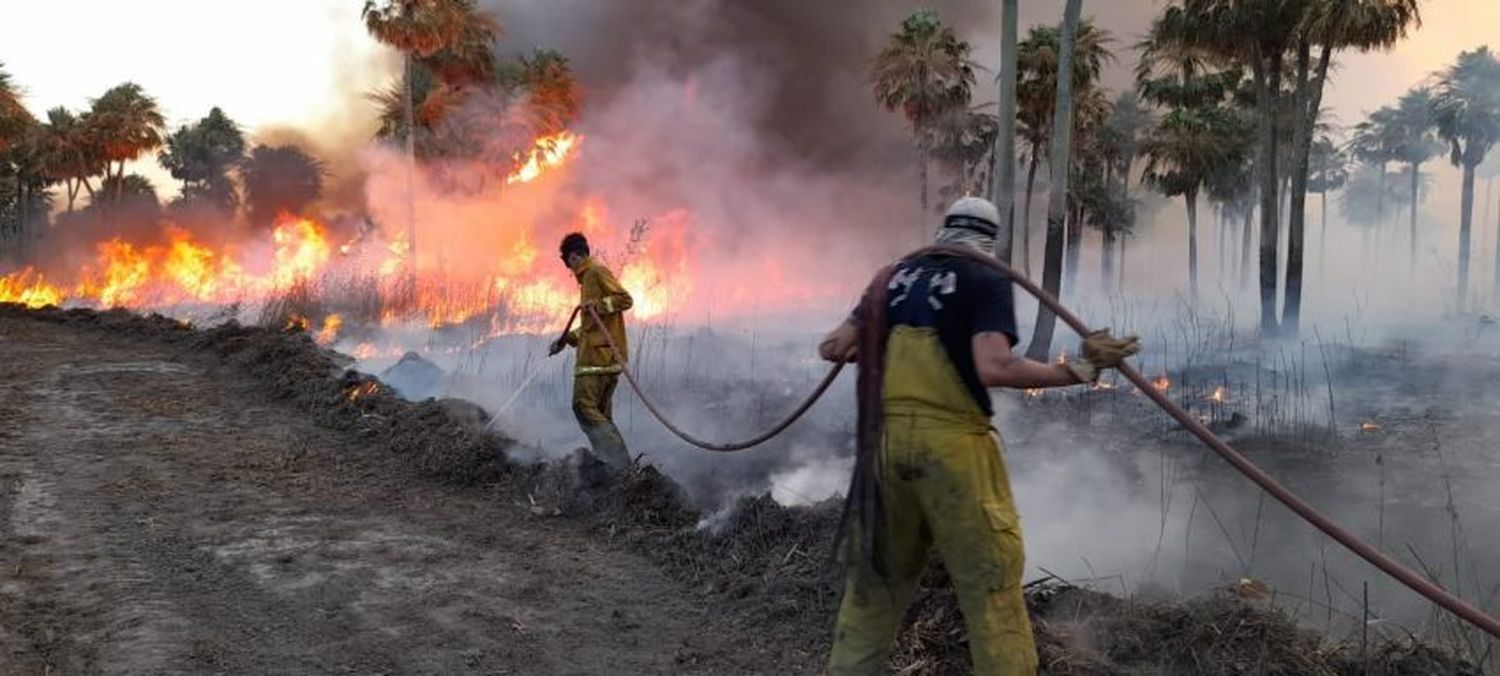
(598, 368)
(939, 472)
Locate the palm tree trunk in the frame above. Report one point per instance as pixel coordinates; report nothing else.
(1192, 216)
(1074, 246)
(21, 210)
(922, 179)
(1323, 236)
(1061, 161)
(1380, 198)
(1121, 284)
(1466, 219)
(1247, 228)
(1107, 259)
(1302, 133)
(411, 170)
(1416, 172)
(1267, 88)
(1497, 238)
(1221, 234)
(1026, 215)
(1003, 189)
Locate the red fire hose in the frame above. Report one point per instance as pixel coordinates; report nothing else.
(1343, 536)
(729, 447)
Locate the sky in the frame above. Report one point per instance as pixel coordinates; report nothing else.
(307, 63)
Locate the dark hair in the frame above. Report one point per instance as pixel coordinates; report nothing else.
(574, 243)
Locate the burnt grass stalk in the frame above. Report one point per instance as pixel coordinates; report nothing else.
(767, 564)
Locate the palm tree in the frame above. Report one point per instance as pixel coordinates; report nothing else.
(1061, 165)
(1418, 142)
(279, 179)
(551, 90)
(126, 123)
(924, 71)
(1330, 171)
(24, 186)
(1200, 139)
(1091, 111)
(1256, 33)
(1120, 143)
(450, 37)
(201, 156)
(432, 103)
(68, 153)
(1488, 170)
(1466, 106)
(1183, 154)
(1003, 186)
(1377, 143)
(133, 189)
(14, 118)
(1330, 26)
(964, 139)
(1036, 97)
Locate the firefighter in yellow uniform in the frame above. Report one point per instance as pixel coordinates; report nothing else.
(940, 471)
(597, 370)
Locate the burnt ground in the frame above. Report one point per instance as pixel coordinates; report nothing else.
(161, 513)
(234, 501)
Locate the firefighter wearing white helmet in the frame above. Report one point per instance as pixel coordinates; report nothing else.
(939, 472)
(972, 222)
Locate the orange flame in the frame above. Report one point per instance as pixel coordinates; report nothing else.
(28, 287)
(548, 152)
(330, 331)
(363, 389)
(515, 289)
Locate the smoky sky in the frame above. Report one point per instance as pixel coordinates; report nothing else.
(814, 57)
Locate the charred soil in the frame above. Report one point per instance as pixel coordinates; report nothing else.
(234, 500)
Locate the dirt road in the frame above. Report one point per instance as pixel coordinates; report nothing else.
(158, 515)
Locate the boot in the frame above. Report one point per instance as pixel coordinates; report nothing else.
(586, 472)
(608, 445)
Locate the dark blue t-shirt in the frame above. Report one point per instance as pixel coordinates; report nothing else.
(958, 297)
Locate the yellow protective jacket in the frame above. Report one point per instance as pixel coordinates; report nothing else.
(596, 283)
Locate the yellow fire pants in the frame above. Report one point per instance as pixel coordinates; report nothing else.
(943, 484)
(593, 405)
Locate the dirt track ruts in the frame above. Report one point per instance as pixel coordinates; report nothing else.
(158, 515)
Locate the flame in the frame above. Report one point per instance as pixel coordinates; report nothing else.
(363, 389)
(296, 322)
(1219, 396)
(1032, 392)
(28, 287)
(1162, 383)
(515, 284)
(119, 274)
(547, 153)
(1369, 426)
(301, 251)
(330, 331)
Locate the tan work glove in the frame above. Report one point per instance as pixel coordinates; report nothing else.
(1102, 351)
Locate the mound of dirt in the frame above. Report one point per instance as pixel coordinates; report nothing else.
(442, 438)
(763, 562)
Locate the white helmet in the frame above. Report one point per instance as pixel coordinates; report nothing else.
(967, 210)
